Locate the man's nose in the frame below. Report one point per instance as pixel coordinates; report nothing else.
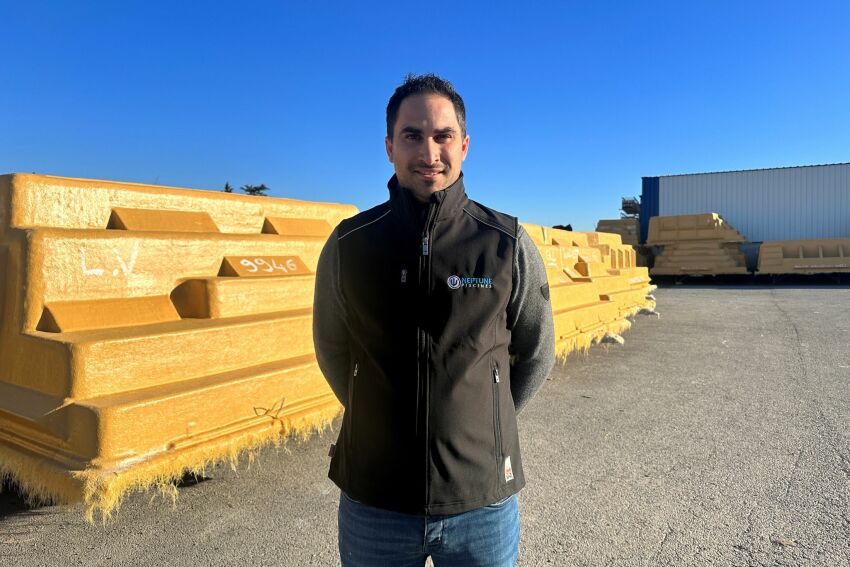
(430, 151)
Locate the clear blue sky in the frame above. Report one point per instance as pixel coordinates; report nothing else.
(569, 103)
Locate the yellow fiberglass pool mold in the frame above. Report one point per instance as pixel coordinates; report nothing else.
(824, 256)
(149, 331)
(696, 245)
(594, 283)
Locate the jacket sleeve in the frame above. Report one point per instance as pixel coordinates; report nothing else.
(530, 321)
(330, 327)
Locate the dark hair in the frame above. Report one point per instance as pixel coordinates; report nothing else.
(428, 83)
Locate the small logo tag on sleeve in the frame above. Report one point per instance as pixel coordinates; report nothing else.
(404, 276)
(509, 471)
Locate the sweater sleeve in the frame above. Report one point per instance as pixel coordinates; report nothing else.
(530, 320)
(330, 327)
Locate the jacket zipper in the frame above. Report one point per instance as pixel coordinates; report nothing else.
(497, 421)
(425, 390)
(351, 400)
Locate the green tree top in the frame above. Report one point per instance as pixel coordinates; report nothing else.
(258, 190)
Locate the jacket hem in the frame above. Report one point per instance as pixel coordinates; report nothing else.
(444, 509)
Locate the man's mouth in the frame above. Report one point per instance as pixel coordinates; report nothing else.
(428, 173)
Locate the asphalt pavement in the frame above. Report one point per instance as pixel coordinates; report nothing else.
(716, 435)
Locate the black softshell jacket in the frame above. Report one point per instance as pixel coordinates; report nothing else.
(430, 424)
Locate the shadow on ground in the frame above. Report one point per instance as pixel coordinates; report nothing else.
(756, 282)
(12, 502)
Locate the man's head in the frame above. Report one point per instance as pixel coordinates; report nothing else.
(426, 134)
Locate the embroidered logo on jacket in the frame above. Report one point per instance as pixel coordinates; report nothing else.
(457, 282)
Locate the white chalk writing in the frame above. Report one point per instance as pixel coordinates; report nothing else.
(270, 266)
(125, 267)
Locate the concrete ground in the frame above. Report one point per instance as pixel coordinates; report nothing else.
(717, 435)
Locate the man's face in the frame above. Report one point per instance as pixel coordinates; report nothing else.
(427, 147)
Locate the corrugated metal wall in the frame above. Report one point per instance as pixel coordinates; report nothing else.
(766, 204)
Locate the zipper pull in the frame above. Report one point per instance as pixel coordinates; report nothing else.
(357, 367)
(425, 245)
(496, 374)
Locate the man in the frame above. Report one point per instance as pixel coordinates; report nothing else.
(433, 327)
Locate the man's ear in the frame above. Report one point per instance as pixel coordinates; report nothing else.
(389, 145)
(464, 148)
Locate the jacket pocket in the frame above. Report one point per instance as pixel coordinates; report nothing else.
(497, 419)
(352, 391)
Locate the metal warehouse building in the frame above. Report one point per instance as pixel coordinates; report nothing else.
(783, 203)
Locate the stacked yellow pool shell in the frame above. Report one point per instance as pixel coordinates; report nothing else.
(149, 331)
(594, 284)
(695, 245)
(824, 256)
(627, 228)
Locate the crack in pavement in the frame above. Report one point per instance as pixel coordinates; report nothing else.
(747, 547)
(832, 437)
(845, 464)
(663, 542)
(794, 469)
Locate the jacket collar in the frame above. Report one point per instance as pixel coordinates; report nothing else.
(449, 201)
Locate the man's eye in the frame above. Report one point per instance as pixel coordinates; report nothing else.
(443, 137)
(411, 137)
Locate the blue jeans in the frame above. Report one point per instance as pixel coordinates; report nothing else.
(372, 537)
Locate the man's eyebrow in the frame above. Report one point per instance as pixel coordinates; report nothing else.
(413, 130)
